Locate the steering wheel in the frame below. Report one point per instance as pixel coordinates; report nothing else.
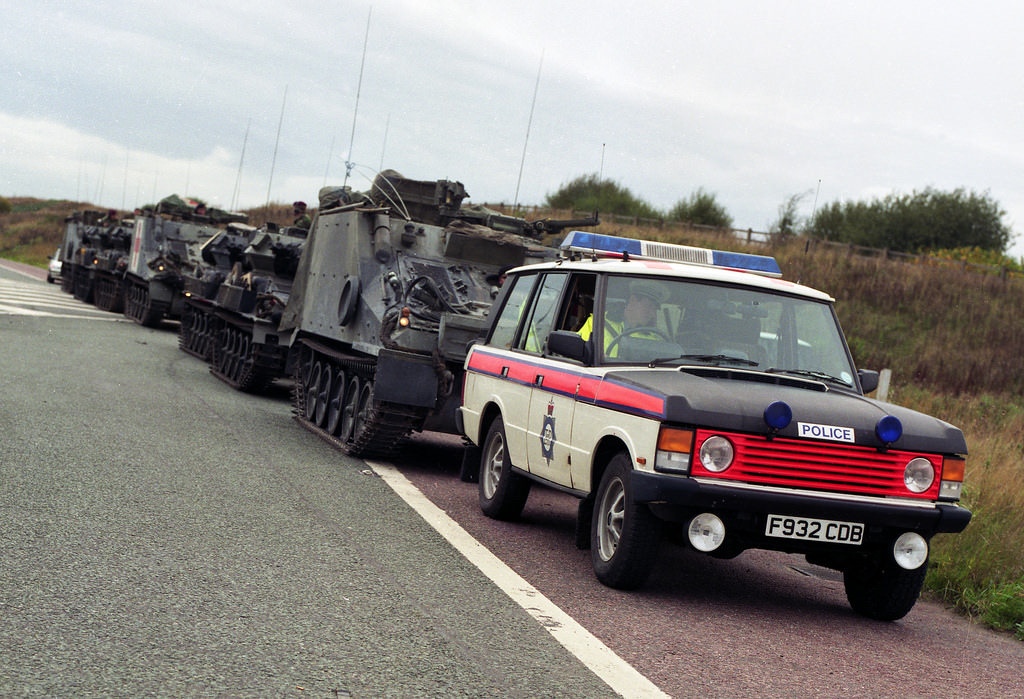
(632, 331)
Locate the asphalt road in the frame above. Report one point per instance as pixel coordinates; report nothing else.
(162, 534)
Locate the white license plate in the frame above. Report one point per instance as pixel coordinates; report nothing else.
(827, 530)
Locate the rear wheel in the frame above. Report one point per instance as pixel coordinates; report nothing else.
(502, 492)
(882, 590)
(624, 535)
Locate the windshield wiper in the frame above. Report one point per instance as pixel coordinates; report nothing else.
(704, 358)
(812, 374)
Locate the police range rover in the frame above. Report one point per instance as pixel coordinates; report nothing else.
(695, 393)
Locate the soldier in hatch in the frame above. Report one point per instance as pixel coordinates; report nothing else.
(302, 219)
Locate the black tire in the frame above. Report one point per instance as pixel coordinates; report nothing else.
(624, 535)
(883, 590)
(502, 492)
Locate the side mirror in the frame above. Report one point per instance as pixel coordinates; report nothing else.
(868, 379)
(568, 344)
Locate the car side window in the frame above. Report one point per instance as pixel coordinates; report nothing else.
(504, 333)
(543, 313)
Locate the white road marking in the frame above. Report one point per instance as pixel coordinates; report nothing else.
(27, 299)
(590, 650)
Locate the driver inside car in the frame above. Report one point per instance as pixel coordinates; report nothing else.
(641, 311)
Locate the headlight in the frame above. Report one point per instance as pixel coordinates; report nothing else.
(919, 475)
(716, 454)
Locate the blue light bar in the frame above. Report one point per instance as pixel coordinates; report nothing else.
(615, 246)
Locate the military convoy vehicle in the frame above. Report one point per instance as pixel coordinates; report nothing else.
(109, 250)
(69, 249)
(218, 256)
(392, 287)
(166, 248)
(92, 239)
(241, 327)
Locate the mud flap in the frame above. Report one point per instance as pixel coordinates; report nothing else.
(470, 470)
(405, 378)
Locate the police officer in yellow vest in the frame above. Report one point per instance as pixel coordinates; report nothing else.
(645, 298)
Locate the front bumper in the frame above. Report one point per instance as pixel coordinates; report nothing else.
(744, 509)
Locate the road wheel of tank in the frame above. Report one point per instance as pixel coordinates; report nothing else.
(348, 408)
(245, 357)
(228, 353)
(363, 408)
(883, 590)
(312, 389)
(323, 394)
(336, 401)
(501, 491)
(624, 535)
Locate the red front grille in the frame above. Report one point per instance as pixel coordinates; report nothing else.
(836, 468)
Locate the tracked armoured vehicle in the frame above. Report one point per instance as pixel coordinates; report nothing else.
(88, 237)
(70, 248)
(166, 247)
(245, 350)
(110, 244)
(218, 256)
(392, 287)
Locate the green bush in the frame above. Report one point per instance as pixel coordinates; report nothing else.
(591, 193)
(926, 220)
(702, 209)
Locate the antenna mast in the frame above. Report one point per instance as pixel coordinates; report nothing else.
(273, 161)
(349, 164)
(387, 125)
(526, 140)
(238, 177)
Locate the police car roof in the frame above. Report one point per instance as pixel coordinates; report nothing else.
(681, 270)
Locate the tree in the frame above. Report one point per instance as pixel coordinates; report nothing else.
(789, 221)
(591, 193)
(916, 222)
(5, 206)
(701, 208)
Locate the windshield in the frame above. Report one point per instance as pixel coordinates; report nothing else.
(677, 322)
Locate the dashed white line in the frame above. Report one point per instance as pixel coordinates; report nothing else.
(590, 650)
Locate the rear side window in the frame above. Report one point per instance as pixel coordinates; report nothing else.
(504, 333)
(543, 313)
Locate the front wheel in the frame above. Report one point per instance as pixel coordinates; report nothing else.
(502, 492)
(624, 535)
(883, 590)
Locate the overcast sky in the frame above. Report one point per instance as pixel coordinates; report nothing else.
(121, 103)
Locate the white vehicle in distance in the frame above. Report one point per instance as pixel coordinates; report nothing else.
(54, 268)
